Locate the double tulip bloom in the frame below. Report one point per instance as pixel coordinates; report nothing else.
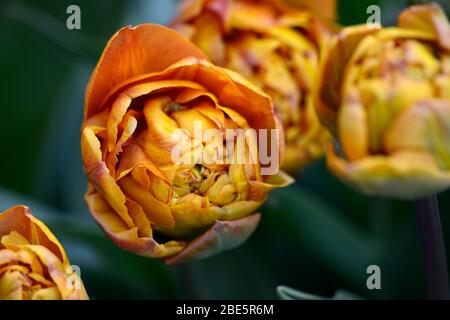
(33, 264)
(385, 95)
(149, 91)
(277, 47)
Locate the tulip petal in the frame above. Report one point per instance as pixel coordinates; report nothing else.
(258, 189)
(248, 16)
(325, 9)
(427, 18)
(192, 213)
(192, 8)
(208, 37)
(157, 211)
(223, 235)
(19, 219)
(405, 175)
(353, 127)
(124, 99)
(99, 174)
(11, 286)
(124, 237)
(6, 256)
(132, 52)
(57, 270)
(134, 157)
(46, 294)
(332, 72)
(424, 126)
(239, 209)
(259, 111)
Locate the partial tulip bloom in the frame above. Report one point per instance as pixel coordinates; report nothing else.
(385, 95)
(149, 94)
(33, 264)
(277, 47)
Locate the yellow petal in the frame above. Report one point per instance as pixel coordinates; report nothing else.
(208, 37)
(425, 127)
(405, 175)
(353, 128)
(11, 286)
(192, 214)
(222, 191)
(332, 72)
(157, 212)
(124, 237)
(99, 175)
(20, 220)
(46, 294)
(190, 119)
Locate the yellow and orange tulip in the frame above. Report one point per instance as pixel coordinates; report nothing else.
(149, 83)
(277, 45)
(385, 95)
(33, 264)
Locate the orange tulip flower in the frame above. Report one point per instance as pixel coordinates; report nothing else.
(149, 84)
(33, 264)
(277, 45)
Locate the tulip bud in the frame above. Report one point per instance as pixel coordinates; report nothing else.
(276, 45)
(165, 179)
(384, 94)
(33, 264)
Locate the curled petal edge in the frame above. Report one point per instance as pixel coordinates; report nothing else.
(223, 235)
(20, 219)
(389, 176)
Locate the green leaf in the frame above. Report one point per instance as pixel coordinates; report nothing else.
(286, 293)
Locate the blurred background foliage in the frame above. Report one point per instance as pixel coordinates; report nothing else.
(317, 236)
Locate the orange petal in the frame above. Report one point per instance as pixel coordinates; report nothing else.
(132, 157)
(124, 99)
(353, 130)
(20, 220)
(99, 175)
(325, 9)
(245, 15)
(131, 52)
(427, 18)
(253, 105)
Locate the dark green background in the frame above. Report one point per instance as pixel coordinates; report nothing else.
(317, 236)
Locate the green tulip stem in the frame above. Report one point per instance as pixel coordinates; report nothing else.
(433, 247)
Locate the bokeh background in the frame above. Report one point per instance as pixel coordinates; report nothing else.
(317, 236)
